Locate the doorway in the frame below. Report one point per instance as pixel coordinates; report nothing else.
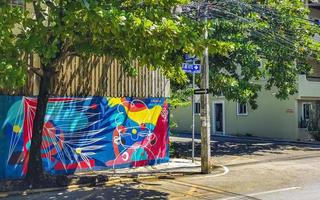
(218, 118)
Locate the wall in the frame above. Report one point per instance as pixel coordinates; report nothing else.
(182, 116)
(82, 134)
(308, 89)
(273, 118)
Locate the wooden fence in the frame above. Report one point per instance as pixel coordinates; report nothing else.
(97, 77)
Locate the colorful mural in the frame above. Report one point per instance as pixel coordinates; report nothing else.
(79, 134)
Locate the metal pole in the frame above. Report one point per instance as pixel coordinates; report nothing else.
(205, 109)
(193, 112)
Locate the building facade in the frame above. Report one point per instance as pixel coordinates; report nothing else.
(274, 118)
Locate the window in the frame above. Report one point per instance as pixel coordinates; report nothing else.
(242, 109)
(306, 108)
(196, 108)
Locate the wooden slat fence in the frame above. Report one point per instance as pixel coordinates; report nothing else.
(98, 76)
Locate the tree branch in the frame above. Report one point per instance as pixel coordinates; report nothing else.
(35, 70)
(37, 10)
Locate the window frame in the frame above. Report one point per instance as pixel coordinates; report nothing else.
(238, 109)
(195, 108)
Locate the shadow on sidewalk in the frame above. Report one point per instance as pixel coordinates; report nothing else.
(121, 192)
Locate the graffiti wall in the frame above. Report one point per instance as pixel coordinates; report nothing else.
(82, 134)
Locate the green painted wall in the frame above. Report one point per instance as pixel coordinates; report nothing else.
(273, 118)
(183, 117)
(307, 88)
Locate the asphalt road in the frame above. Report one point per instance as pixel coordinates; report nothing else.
(291, 178)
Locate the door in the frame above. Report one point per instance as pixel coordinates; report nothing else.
(306, 109)
(219, 117)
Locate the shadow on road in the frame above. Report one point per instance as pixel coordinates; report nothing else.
(239, 148)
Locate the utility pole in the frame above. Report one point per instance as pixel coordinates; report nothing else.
(205, 100)
(205, 107)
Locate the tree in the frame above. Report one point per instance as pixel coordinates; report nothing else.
(12, 70)
(127, 30)
(278, 33)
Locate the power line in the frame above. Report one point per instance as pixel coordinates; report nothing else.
(221, 10)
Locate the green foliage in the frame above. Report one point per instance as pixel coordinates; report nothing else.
(12, 66)
(143, 31)
(148, 32)
(275, 31)
(180, 98)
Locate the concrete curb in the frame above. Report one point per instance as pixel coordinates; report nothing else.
(111, 181)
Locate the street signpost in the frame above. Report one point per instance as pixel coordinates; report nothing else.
(201, 91)
(191, 67)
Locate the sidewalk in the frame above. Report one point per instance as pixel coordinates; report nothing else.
(176, 167)
(215, 138)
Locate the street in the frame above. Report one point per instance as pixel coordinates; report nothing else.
(292, 173)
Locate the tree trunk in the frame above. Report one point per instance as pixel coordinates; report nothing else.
(35, 173)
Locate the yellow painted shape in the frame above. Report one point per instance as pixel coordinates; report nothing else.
(16, 129)
(149, 116)
(78, 150)
(134, 131)
(112, 102)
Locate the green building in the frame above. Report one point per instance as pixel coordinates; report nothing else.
(281, 119)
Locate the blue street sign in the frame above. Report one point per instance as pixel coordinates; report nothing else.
(191, 68)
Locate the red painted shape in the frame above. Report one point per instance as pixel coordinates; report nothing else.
(134, 106)
(143, 126)
(79, 165)
(159, 149)
(122, 129)
(30, 105)
(140, 163)
(94, 106)
(115, 146)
